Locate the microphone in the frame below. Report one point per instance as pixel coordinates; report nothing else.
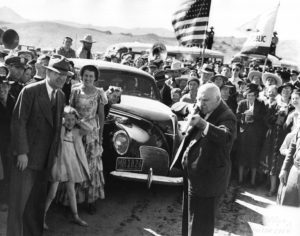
(187, 128)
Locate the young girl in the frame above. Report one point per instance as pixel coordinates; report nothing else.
(71, 164)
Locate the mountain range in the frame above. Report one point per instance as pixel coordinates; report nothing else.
(50, 34)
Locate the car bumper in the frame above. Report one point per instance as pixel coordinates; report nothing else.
(156, 179)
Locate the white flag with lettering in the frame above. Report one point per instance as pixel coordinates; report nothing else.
(259, 41)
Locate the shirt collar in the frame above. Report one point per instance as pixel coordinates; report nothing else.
(207, 115)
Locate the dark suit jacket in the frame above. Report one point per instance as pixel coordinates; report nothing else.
(34, 129)
(5, 118)
(206, 160)
(15, 88)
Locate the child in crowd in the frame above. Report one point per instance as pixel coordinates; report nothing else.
(113, 94)
(175, 95)
(71, 164)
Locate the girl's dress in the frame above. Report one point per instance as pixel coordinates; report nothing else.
(71, 163)
(87, 107)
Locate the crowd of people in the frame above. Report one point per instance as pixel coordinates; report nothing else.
(34, 90)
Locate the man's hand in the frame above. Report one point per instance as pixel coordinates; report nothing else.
(199, 122)
(283, 176)
(22, 161)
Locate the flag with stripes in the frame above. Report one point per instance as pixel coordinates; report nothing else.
(190, 22)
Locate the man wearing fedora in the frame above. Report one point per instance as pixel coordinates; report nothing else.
(85, 50)
(37, 113)
(66, 49)
(206, 73)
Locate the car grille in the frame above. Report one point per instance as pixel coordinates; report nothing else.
(172, 136)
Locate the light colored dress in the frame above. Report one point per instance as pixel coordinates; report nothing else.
(87, 107)
(69, 167)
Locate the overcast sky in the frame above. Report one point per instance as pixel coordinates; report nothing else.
(225, 15)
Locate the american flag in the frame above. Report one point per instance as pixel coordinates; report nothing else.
(190, 22)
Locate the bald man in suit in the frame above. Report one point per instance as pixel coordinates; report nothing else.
(205, 154)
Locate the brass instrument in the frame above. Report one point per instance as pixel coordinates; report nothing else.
(158, 51)
(10, 39)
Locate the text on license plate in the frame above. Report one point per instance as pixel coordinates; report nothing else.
(129, 164)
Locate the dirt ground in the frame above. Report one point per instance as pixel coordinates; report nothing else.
(131, 209)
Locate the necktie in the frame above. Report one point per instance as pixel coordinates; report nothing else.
(53, 105)
(53, 98)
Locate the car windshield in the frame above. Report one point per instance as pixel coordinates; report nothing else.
(131, 84)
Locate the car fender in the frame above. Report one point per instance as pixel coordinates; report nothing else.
(135, 133)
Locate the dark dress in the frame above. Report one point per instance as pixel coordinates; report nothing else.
(269, 142)
(277, 130)
(281, 130)
(251, 133)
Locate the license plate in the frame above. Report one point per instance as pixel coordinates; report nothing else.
(129, 164)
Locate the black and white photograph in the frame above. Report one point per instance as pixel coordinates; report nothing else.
(149, 118)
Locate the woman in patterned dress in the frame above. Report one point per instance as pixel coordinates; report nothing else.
(89, 101)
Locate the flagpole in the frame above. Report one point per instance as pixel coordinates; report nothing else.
(204, 45)
(265, 64)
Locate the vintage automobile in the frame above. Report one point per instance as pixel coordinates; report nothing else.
(141, 134)
(178, 52)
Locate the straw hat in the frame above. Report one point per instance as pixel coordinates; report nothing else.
(267, 75)
(253, 74)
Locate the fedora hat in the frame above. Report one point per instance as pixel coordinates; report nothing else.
(227, 85)
(267, 75)
(207, 68)
(88, 39)
(176, 66)
(60, 65)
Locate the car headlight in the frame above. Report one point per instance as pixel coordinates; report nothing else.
(121, 142)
